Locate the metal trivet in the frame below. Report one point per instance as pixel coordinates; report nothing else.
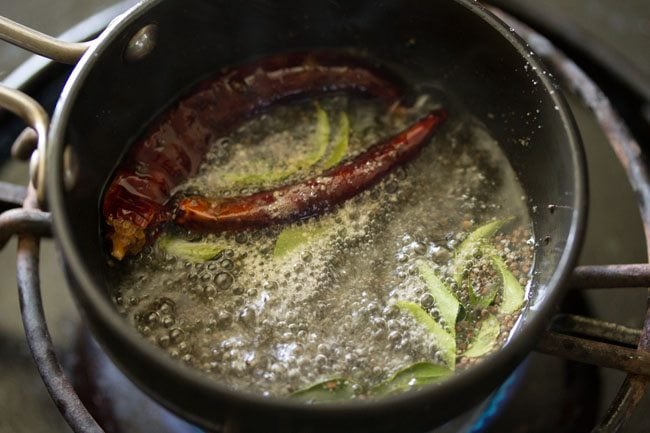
(572, 337)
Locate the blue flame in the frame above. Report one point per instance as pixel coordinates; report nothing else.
(497, 401)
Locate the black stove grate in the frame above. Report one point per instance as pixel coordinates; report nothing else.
(601, 343)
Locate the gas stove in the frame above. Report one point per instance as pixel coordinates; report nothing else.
(547, 393)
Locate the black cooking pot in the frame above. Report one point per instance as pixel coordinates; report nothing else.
(150, 55)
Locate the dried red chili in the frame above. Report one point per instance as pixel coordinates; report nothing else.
(136, 200)
(312, 196)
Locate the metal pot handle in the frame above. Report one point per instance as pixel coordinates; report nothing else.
(26, 107)
(42, 44)
(137, 48)
(31, 112)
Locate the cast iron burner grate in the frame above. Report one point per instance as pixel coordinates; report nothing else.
(573, 337)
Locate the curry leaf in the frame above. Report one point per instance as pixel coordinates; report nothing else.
(416, 375)
(341, 142)
(471, 247)
(321, 139)
(266, 175)
(512, 295)
(192, 251)
(443, 297)
(445, 341)
(292, 238)
(330, 390)
(483, 300)
(485, 339)
(481, 234)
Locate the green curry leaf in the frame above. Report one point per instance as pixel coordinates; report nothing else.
(484, 300)
(341, 142)
(321, 138)
(327, 391)
(192, 251)
(512, 295)
(444, 340)
(267, 175)
(443, 297)
(485, 339)
(471, 245)
(293, 238)
(466, 252)
(416, 375)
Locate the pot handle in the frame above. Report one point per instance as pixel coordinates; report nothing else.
(26, 107)
(35, 116)
(42, 44)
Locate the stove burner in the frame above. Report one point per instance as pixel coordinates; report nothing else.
(114, 401)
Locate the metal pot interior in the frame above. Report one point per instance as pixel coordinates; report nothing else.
(454, 45)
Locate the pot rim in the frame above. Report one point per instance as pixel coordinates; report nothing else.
(521, 342)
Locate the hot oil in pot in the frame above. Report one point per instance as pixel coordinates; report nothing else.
(359, 298)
